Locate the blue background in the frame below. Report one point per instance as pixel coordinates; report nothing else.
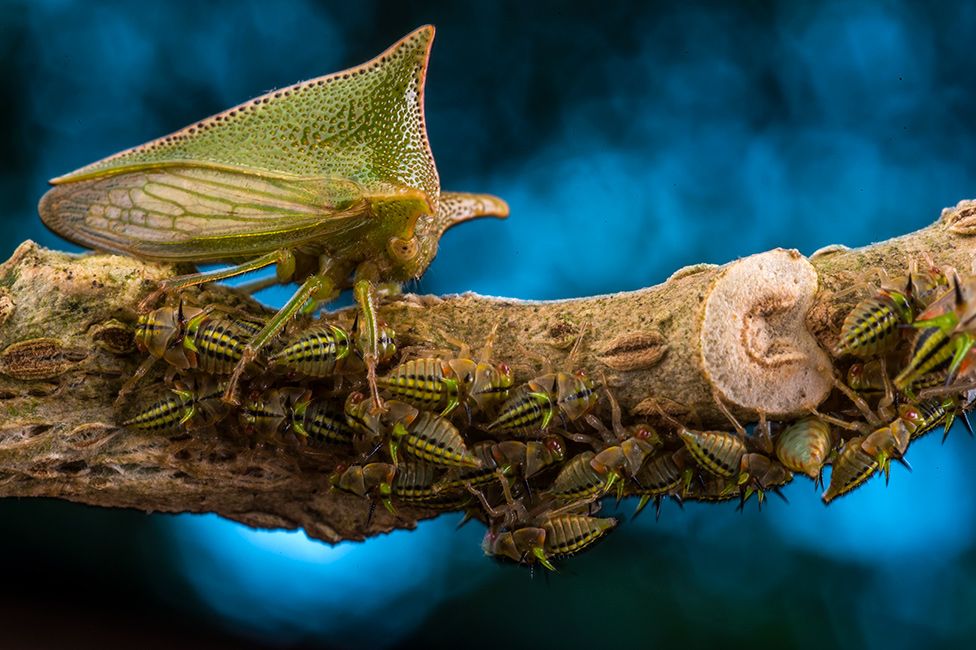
(630, 140)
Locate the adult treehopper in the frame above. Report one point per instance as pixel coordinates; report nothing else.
(332, 180)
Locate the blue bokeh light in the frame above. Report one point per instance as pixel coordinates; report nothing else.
(700, 135)
(917, 513)
(262, 582)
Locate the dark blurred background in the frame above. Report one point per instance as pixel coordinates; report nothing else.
(630, 140)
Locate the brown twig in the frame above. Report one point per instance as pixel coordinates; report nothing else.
(754, 331)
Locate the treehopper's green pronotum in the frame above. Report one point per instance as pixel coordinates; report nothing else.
(332, 180)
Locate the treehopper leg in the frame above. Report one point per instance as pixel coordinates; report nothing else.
(368, 338)
(284, 259)
(257, 285)
(144, 367)
(317, 287)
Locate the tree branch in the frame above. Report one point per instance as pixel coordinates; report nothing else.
(753, 332)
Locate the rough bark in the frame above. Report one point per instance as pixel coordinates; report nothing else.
(753, 332)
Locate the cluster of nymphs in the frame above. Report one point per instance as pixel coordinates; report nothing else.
(911, 345)
(402, 444)
(442, 430)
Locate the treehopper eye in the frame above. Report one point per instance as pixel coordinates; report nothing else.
(332, 180)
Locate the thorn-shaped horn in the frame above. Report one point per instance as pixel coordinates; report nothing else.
(457, 207)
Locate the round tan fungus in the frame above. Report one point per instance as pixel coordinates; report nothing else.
(756, 350)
